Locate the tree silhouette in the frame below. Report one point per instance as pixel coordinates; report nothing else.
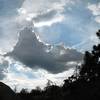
(91, 65)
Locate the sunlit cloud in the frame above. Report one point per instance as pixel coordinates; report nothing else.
(49, 23)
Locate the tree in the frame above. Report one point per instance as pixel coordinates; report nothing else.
(91, 65)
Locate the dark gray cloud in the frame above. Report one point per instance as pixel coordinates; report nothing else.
(31, 52)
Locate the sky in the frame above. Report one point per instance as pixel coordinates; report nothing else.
(43, 40)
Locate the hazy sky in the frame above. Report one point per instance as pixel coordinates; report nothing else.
(44, 38)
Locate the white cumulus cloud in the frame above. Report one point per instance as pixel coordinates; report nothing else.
(95, 9)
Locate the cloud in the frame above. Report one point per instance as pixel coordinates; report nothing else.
(50, 22)
(35, 54)
(97, 19)
(55, 21)
(20, 12)
(95, 9)
(53, 16)
(67, 31)
(4, 64)
(42, 13)
(18, 75)
(8, 34)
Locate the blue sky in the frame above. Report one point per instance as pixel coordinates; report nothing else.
(58, 25)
